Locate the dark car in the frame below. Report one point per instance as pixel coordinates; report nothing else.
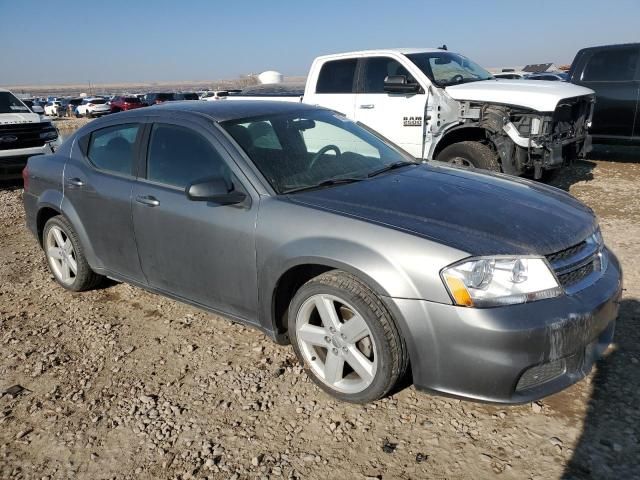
(187, 96)
(68, 106)
(550, 77)
(156, 98)
(301, 223)
(613, 72)
(120, 103)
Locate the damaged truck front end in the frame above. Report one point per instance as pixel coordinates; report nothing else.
(529, 141)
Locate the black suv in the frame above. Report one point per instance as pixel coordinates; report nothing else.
(155, 98)
(613, 72)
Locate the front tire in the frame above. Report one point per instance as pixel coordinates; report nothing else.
(65, 256)
(471, 154)
(345, 338)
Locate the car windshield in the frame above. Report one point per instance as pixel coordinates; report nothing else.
(10, 104)
(165, 96)
(313, 149)
(446, 68)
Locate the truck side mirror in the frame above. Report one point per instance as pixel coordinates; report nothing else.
(400, 84)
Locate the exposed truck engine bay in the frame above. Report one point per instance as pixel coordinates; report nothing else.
(528, 140)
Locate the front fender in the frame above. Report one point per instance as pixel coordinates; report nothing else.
(383, 276)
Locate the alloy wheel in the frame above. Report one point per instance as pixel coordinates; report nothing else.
(61, 255)
(336, 343)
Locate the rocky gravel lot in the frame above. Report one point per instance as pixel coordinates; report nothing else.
(120, 383)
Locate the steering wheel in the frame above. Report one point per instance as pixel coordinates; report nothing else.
(322, 151)
(457, 78)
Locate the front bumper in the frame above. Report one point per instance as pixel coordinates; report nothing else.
(496, 354)
(13, 161)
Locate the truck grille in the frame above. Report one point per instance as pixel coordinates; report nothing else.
(23, 135)
(575, 264)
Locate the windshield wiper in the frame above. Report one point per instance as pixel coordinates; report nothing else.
(391, 166)
(325, 183)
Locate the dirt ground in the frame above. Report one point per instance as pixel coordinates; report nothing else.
(120, 383)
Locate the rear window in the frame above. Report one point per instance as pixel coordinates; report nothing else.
(612, 65)
(98, 101)
(165, 96)
(189, 96)
(337, 76)
(132, 99)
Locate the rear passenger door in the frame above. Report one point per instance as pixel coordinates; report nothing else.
(98, 180)
(613, 74)
(199, 251)
(335, 86)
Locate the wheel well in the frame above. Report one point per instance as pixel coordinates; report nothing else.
(464, 134)
(44, 214)
(286, 288)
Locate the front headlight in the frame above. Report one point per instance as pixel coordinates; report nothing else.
(493, 281)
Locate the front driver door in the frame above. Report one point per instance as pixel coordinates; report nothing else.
(398, 116)
(199, 251)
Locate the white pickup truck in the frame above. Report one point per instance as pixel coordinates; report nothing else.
(23, 134)
(440, 105)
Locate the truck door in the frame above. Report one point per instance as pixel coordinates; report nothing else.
(335, 86)
(612, 74)
(397, 116)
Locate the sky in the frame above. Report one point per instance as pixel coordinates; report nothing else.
(69, 41)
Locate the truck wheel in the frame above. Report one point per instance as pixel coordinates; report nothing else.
(345, 338)
(471, 154)
(65, 256)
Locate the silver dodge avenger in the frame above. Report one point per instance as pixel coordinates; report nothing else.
(322, 234)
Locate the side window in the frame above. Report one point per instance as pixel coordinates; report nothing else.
(178, 156)
(611, 65)
(337, 76)
(376, 69)
(112, 148)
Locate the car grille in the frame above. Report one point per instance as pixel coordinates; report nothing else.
(575, 264)
(22, 135)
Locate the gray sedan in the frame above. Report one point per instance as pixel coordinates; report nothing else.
(322, 234)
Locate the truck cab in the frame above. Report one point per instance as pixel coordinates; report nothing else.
(613, 72)
(440, 105)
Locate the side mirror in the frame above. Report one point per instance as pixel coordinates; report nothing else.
(215, 189)
(400, 84)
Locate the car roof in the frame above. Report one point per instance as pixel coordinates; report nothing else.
(383, 51)
(227, 110)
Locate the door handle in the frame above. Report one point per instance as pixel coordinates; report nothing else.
(75, 182)
(148, 200)
(367, 106)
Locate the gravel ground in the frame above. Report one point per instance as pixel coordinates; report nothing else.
(121, 383)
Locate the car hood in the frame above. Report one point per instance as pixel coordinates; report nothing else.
(22, 117)
(481, 214)
(533, 94)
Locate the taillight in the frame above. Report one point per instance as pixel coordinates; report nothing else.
(25, 178)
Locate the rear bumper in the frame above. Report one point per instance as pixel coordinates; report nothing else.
(13, 161)
(510, 354)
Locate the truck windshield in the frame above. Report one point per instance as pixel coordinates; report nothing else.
(313, 149)
(446, 68)
(10, 104)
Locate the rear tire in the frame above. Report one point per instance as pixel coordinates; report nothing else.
(471, 154)
(65, 256)
(357, 362)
